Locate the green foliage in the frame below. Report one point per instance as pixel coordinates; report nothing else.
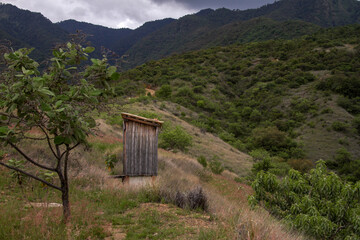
(110, 161)
(202, 161)
(301, 165)
(164, 92)
(318, 203)
(19, 164)
(56, 101)
(345, 165)
(216, 166)
(175, 138)
(356, 124)
(339, 126)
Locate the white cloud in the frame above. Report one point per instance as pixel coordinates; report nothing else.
(122, 13)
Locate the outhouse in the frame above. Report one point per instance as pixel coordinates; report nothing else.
(140, 152)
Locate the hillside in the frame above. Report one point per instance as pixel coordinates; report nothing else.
(117, 40)
(105, 209)
(198, 30)
(279, 95)
(28, 29)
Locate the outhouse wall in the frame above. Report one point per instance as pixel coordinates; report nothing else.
(140, 149)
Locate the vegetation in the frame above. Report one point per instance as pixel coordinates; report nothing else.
(175, 138)
(318, 203)
(51, 107)
(248, 94)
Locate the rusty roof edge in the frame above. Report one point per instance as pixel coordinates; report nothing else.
(136, 117)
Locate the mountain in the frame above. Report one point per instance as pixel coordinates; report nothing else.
(99, 36)
(224, 26)
(285, 19)
(28, 29)
(197, 33)
(118, 40)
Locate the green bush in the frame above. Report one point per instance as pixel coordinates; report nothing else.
(175, 138)
(216, 167)
(318, 203)
(356, 123)
(164, 92)
(339, 126)
(202, 161)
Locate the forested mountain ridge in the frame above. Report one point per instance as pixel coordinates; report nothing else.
(188, 32)
(284, 19)
(117, 40)
(28, 29)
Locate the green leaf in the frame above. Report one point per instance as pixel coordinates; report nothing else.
(4, 130)
(45, 107)
(46, 92)
(15, 97)
(89, 49)
(67, 140)
(115, 76)
(60, 110)
(58, 140)
(58, 103)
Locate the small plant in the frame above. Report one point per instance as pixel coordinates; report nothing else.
(194, 199)
(339, 126)
(110, 161)
(202, 161)
(19, 164)
(216, 167)
(47, 176)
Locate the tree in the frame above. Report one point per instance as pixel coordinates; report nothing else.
(318, 203)
(56, 103)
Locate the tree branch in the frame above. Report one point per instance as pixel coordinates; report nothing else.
(49, 143)
(30, 175)
(68, 149)
(30, 160)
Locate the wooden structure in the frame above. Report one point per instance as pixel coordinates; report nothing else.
(140, 146)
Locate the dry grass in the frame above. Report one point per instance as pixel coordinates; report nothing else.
(228, 208)
(205, 144)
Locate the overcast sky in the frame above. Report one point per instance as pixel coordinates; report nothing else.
(126, 13)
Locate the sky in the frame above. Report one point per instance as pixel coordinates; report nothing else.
(126, 13)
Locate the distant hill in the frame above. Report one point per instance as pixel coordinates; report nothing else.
(285, 19)
(224, 26)
(28, 29)
(191, 33)
(98, 35)
(118, 40)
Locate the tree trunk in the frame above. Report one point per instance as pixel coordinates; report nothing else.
(65, 201)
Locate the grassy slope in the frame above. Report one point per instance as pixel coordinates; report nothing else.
(219, 83)
(103, 209)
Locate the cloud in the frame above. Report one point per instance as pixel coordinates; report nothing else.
(231, 4)
(126, 13)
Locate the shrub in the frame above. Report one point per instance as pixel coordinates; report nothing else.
(176, 138)
(197, 199)
(216, 167)
(356, 124)
(339, 126)
(164, 92)
(202, 161)
(302, 165)
(194, 199)
(259, 154)
(318, 203)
